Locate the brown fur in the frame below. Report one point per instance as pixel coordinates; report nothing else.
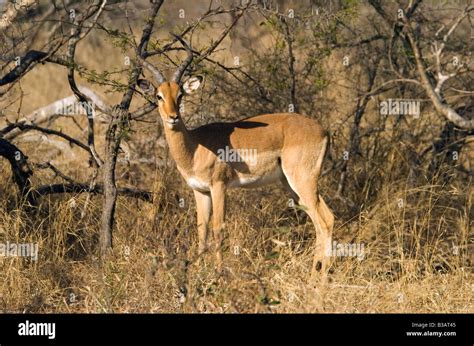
(290, 148)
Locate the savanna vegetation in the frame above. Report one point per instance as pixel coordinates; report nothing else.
(85, 171)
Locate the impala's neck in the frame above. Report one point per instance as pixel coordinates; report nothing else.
(181, 145)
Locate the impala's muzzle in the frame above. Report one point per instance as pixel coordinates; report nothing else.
(172, 121)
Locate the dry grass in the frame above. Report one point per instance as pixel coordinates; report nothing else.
(409, 263)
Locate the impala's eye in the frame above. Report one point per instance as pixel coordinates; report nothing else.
(159, 97)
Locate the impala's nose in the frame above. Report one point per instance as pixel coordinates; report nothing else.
(172, 120)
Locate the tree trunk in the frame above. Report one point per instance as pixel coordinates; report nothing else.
(110, 188)
(110, 201)
(21, 170)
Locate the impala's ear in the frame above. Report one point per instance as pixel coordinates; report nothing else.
(192, 84)
(146, 86)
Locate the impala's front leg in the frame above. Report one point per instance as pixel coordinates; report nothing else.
(203, 208)
(218, 219)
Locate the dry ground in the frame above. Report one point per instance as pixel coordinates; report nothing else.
(408, 266)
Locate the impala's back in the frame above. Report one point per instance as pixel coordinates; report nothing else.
(251, 152)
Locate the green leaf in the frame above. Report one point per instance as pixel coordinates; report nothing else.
(284, 229)
(272, 255)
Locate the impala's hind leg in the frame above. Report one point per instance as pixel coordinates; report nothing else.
(288, 188)
(313, 207)
(323, 246)
(306, 188)
(303, 180)
(328, 217)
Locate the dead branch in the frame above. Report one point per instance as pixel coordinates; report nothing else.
(50, 112)
(87, 188)
(76, 36)
(24, 127)
(434, 91)
(19, 163)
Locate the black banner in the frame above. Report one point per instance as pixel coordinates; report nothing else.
(321, 329)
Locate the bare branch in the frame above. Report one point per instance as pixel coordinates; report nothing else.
(25, 63)
(98, 188)
(57, 172)
(50, 112)
(433, 93)
(75, 37)
(23, 127)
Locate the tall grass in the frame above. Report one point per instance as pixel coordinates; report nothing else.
(416, 255)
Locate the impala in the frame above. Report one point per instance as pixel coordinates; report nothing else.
(289, 148)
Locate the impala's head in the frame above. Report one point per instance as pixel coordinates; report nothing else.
(169, 92)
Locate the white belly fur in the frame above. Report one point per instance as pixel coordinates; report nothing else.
(240, 181)
(197, 184)
(257, 181)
